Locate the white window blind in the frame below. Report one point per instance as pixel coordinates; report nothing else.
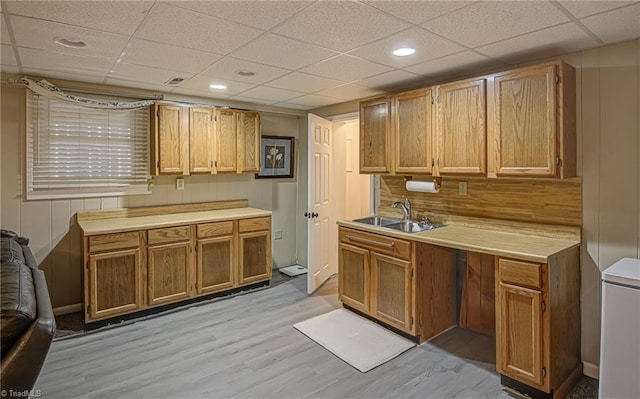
(81, 152)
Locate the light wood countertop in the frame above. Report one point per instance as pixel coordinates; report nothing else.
(512, 245)
(120, 224)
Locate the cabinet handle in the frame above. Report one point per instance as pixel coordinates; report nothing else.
(365, 240)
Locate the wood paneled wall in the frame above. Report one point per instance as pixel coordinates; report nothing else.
(528, 200)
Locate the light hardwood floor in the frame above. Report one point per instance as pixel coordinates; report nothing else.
(246, 347)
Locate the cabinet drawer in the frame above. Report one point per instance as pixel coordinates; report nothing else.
(215, 229)
(255, 224)
(108, 242)
(520, 273)
(169, 234)
(378, 243)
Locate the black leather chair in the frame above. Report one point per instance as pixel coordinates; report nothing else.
(27, 324)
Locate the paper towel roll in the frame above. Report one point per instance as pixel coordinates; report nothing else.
(422, 186)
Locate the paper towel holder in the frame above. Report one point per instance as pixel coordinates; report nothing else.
(437, 180)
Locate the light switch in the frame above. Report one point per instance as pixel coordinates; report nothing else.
(180, 184)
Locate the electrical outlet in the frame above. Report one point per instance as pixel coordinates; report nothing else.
(277, 235)
(180, 184)
(462, 188)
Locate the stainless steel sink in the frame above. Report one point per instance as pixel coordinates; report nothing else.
(378, 220)
(410, 226)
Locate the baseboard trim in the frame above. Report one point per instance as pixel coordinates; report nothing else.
(76, 307)
(591, 370)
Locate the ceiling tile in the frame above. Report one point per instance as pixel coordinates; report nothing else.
(73, 76)
(252, 100)
(271, 93)
(185, 28)
(456, 64)
(145, 74)
(615, 26)
(165, 56)
(315, 100)
(140, 85)
(7, 56)
(200, 93)
(282, 52)
(350, 92)
(41, 34)
(340, 25)
(392, 80)
(346, 68)
(581, 9)
(4, 31)
(549, 42)
(488, 22)
(303, 82)
(201, 83)
(228, 68)
(418, 12)
(427, 45)
(294, 106)
(40, 59)
(104, 16)
(259, 14)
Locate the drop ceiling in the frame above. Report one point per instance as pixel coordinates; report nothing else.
(303, 54)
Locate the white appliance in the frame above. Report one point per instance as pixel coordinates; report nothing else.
(620, 331)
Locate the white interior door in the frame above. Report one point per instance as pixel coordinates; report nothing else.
(322, 229)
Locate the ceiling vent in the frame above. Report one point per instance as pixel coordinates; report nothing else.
(174, 81)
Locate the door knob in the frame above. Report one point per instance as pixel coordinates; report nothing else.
(314, 215)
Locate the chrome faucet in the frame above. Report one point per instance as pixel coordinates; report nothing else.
(406, 207)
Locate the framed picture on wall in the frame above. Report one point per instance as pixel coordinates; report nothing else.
(276, 157)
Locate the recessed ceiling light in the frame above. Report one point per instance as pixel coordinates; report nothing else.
(73, 43)
(218, 86)
(246, 73)
(404, 51)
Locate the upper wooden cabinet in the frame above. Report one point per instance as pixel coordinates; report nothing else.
(515, 123)
(248, 126)
(201, 143)
(532, 126)
(412, 130)
(169, 140)
(375, 136)
(460, 133)
(193, 140)
(237, 141)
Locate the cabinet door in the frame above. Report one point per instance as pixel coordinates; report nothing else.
(412, 131)
(255, 257)
(392, 291)
(353, 277)
(226, 141)
(375, 136)
(461, 128)
(248, 142)
(168, 275)
(201, 140)
(519, 334)
(172, 140)
(115, 285)
(215, 264)
(524, 129)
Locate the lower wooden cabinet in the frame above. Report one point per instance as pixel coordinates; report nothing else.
(131, 271)
(254, 248)
(392, 291)
(537, 322)
(375, 276)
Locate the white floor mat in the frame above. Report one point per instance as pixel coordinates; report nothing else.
(354, 339)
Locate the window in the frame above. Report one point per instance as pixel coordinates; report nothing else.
(75, 152)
